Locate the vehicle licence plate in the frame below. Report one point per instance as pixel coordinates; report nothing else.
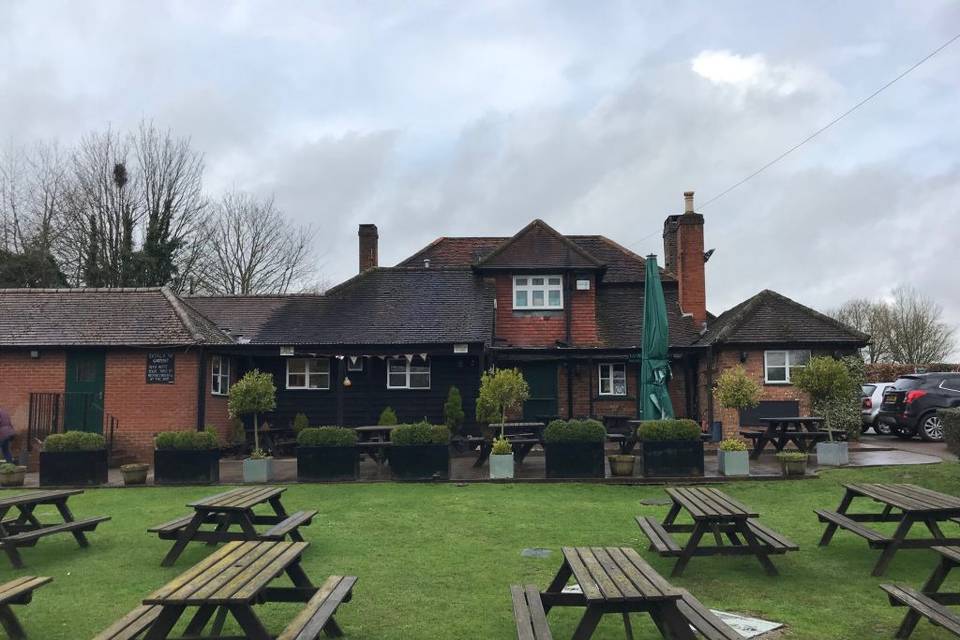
(892, 398)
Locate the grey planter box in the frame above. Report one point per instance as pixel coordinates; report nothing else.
(734, 463)
(501, 466)
(258, 470)
(833, 454)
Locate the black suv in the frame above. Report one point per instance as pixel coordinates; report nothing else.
(911, 404)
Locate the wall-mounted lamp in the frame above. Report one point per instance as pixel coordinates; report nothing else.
(743, 356)
(35, 353)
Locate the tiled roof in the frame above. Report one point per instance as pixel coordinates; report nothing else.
(538, 245)
(771, 318)
(101, 317)
(380, 306)
(620, 318)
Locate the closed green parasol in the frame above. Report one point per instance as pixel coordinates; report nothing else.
(654, 365)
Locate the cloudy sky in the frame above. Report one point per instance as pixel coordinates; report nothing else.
(472, 118)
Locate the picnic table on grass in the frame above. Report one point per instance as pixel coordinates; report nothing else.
(18, 591)
(231, 581)
(929, 602)
(25, 529)
(614, 580)
(716, 513)
(523, 436)
(228, 511)
(904, 504)
(803, 431)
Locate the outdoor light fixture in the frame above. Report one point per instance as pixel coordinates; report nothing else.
(743, 356)
(34, 353)
(346, 381)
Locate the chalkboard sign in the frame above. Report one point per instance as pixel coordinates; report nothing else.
(159, 367)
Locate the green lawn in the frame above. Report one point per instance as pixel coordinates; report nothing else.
(435, 561)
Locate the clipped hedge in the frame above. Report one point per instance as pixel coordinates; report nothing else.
(420, 433)
(187, 440)
(951, 429)
(326, 437)
(74, 441)
(668, 430)
(575, 431)
(890, 371)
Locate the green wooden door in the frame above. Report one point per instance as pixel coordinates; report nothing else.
(541, 377)
(83, 404)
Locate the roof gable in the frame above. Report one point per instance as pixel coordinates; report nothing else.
(538, 245)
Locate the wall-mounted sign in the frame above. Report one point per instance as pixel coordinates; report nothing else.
(286, 351)
(461, 348)
(160, 369)
(583, 285)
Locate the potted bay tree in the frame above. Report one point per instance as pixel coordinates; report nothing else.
(253, 394)
(735, 389)
(502, 391)
(835, 395)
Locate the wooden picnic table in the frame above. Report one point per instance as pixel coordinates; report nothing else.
(232, 580)
(524, 436)
(615, 580)
(25, 529)
(929, 602)
(225, 511)
(904, 504)
(374, 440)
(803, 431)
(713, 512)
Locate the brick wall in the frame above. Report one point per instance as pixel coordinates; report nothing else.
(21, 375)
(543, 329)
(586, 385)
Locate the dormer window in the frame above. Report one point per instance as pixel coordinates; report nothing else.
(537, 292)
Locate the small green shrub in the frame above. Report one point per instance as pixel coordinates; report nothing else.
(8, 467)
(187, 440)
(501, 447)
(733, 444)
(951, 429)
(668, 430)
(327, 437)
(74, 441)
(300, 422)
(420, 433)
(791, 456)
(575, 431)
(388, 418)
(453, 410)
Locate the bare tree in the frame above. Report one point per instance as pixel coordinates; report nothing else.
(254, 249)
(870, 317)
(12, 198)
(917, 333)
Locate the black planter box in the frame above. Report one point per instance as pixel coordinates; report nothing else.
(419, 462)
(574, 459)
(671, 458)
(186, 466)
(73, 468)
(327, 463)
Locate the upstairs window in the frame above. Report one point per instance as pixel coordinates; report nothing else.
(408, 374)
(537, 292)
(219, 375)
(613, 379)
(308, 373)
(779, 366)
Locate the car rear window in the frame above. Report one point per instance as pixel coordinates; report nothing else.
(906, 384)
(867, 389)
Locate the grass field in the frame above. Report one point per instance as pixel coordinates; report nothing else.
(435, 561)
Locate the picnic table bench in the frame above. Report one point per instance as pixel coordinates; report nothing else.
(929, 602)
(803, 431)
(614, 580)
(523, 436)
(713, 512)
(18, 591)
(231, 581)
(25, 529)
(225, 511)
(904, 504)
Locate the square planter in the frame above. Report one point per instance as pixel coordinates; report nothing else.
(501, 466)
(833, 454)
(671, 458)
(318, 464)
(258, 470)
(73, 468)
(419, 462)
(734, 463)
(574, 459)
(184, 466)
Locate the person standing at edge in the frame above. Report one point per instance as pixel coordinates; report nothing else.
(6, 434)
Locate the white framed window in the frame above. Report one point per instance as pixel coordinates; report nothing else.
(537, 292)
(779, 366)
(613, 379)
(220, 375)
(408, 374)
(308, 373)
(355, 365)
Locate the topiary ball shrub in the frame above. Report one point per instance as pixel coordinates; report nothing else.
(327, 437)
(668, 430)
(74, 441)
(420, 433)
(575, 431)
(186, 440)
(951, 429)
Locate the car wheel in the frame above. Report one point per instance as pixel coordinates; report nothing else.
(883, 428)
(931, 428)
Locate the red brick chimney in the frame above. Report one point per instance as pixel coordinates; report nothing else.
(368, 246)
(683, 256)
